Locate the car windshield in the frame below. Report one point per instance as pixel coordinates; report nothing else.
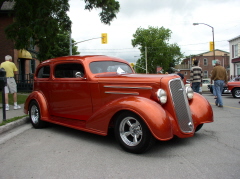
(110, 66)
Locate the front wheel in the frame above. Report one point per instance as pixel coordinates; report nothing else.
(35, 115)
(198, 127)
(236, 93)
(132, 133)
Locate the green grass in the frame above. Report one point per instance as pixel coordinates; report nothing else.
(11, 120)
(21, 98)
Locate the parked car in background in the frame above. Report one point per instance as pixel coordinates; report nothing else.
(205, 83)
(95, 93)
(224, 91)
(234, 87)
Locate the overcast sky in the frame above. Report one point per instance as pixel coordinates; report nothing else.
(176, 15)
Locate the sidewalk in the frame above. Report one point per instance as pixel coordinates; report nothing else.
(11, 114)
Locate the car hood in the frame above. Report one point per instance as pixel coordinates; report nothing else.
(134, 77)
(234, 83)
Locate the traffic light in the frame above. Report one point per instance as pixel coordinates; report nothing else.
(211, 45)
(104, 38)
(132, 65)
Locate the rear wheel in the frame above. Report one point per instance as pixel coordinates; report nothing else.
(35, 115)
(236, 92)
(132, 133)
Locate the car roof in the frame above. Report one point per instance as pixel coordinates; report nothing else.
(87, 58)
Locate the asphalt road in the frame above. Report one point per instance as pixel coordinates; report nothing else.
(59, 152)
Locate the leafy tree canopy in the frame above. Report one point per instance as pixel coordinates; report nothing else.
(61, 46)
(42, 20)
(160, 52)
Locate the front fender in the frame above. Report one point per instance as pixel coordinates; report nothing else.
(201, 110)
(150, 111)
(40, 99)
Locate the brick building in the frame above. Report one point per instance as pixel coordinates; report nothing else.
(25, 59)
(206, 62)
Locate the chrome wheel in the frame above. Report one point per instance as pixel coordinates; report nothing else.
(34, 114)
(130, 131)
(236, 93)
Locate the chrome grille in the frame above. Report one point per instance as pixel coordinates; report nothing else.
(181, 105)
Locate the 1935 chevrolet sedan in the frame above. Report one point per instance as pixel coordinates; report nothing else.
(95, 93)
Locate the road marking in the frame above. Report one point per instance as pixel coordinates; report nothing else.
(225, 106)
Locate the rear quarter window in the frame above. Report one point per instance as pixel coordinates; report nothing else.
(44, 72)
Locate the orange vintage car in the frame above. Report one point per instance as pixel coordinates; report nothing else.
(234, 87)
(95, 93)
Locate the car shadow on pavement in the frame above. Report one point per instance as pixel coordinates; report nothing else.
(108, 140)
(172, 146)
(160, 149)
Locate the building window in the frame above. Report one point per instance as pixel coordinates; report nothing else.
(235, 51)
(185, 73)
(205, 74)
(32, 66)
(238, 69)
(205, 62)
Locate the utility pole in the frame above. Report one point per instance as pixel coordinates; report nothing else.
(146, 59)
(212, 36)
(70, 43)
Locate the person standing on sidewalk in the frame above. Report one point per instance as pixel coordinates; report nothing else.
(11, 85)
(196, 76)
(219, 76)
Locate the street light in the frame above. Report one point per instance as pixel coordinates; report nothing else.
(212, 35)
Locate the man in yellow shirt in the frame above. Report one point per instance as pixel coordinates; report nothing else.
(11, 86)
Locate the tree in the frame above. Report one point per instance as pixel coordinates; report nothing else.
(61, 46)
(41, 21)
(154, 41)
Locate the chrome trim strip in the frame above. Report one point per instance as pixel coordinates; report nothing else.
(128, 87)
(114, 92)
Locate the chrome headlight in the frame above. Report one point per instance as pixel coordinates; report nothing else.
(189, 92)
(162, 96)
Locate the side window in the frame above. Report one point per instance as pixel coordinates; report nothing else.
(44, 72)
(69, 70)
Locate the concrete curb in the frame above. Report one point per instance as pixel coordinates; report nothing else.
(13, 124)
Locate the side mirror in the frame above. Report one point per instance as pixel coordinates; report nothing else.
(79, 74)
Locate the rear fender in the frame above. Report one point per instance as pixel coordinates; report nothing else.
(40, 99)
(150, 111)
